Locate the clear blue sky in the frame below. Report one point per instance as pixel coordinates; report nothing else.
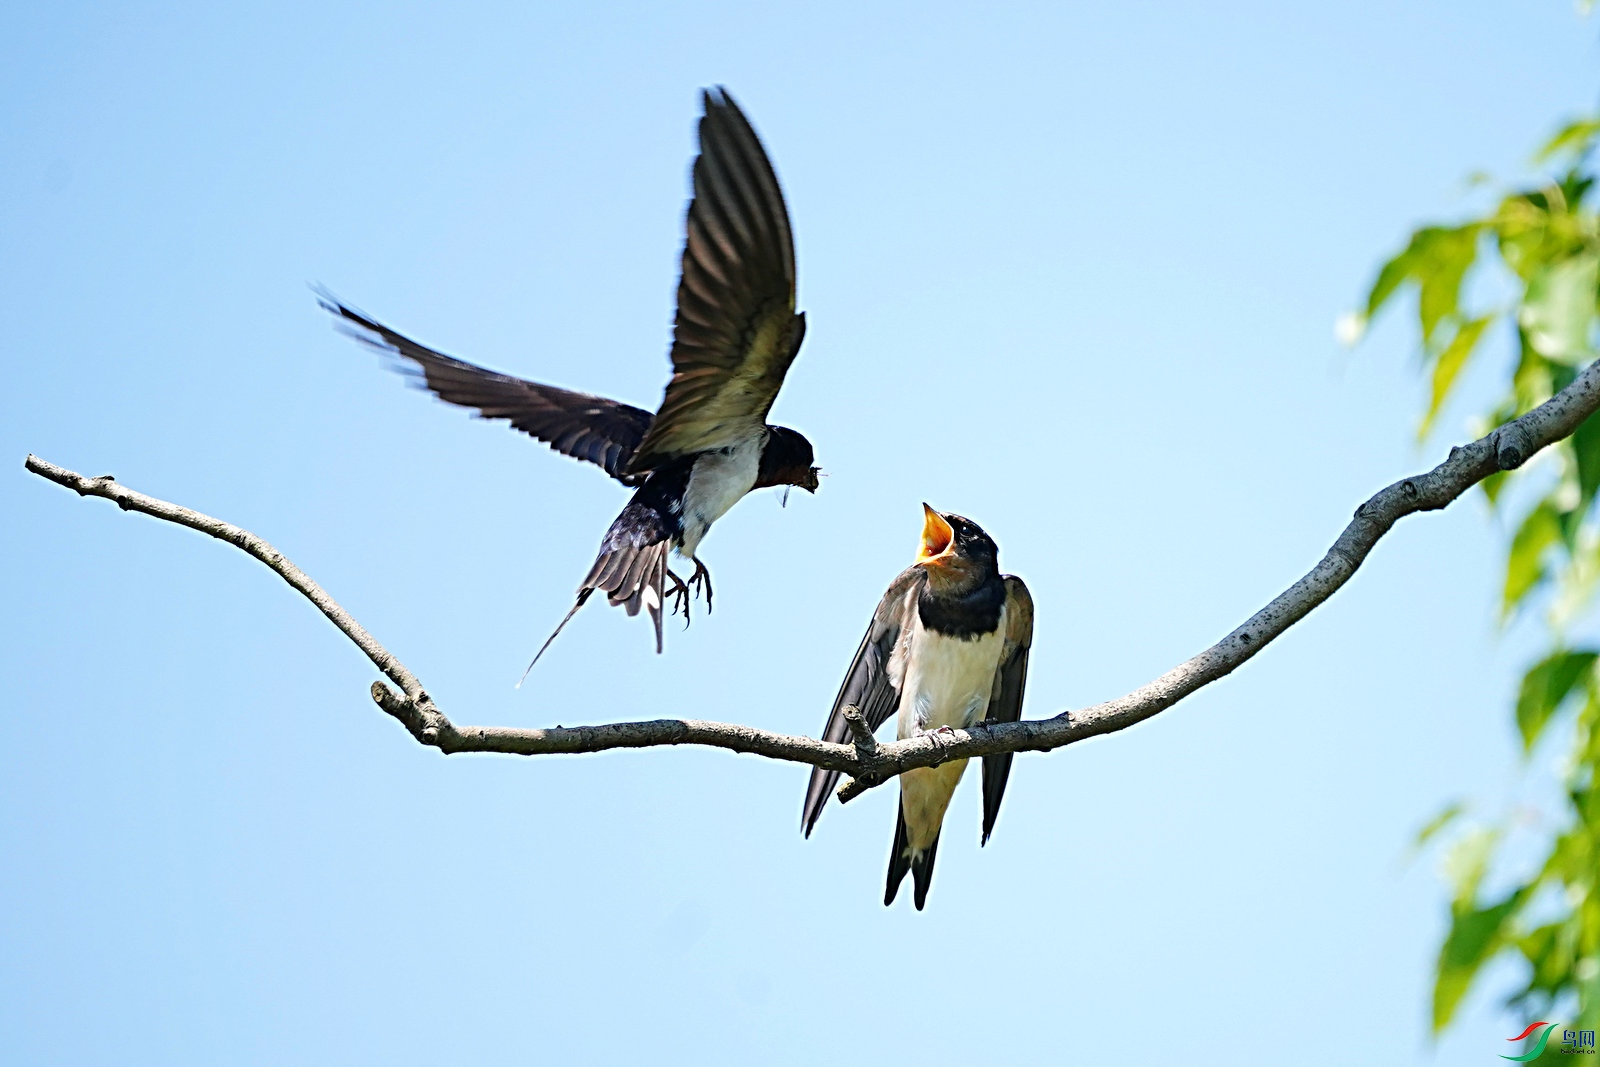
(1070, 271)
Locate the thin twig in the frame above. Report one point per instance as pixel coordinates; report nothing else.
(128, 500)
(867, 762)
(860, 732)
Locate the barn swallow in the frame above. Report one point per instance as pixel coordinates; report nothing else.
(734, 337)
(947, 648)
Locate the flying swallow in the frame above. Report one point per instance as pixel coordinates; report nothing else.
(947, 648)
(734, 337)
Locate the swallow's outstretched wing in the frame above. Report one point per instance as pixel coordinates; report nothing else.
(592, 428)
(736, 330)
(1005, 702)
(869, 684)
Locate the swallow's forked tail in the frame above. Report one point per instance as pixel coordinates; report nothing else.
(631, 576)
(902, 860)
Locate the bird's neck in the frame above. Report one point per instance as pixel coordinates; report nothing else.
(966, 608)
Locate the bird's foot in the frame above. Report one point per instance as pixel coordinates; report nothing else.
(701, 577)
(679, 595)
(941, 732)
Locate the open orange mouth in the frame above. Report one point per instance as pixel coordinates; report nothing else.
(937, 536)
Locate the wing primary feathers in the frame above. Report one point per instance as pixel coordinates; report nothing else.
(997, 768)
(867, 684)
(724, 210)
(733, 335)
(586, 427)
(736, 202)
(822, 782)
(1005, 700)
(769, 197)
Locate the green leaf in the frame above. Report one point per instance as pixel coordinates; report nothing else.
(1474, 936)
(1575, 138)
(1588, 973)
(1436, 258)
(1449, 365)
(1530, 382)
(1525, 562)
(1492, 485)
(1548, 951)
(1437, 823)
(1446, 257)
(1586, 449)
(1559, 306)
(1390, 276)
(1545, 687)
(1547, 236)
(1587, 753)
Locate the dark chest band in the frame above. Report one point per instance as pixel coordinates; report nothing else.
(967, 616)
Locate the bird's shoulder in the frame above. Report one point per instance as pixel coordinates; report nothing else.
(1018, 611)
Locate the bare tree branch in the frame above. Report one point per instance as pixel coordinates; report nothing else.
(128, 500)
(866, 762)
(860, 732)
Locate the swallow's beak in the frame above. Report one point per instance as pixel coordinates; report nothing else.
(938, 539)
(812, 481)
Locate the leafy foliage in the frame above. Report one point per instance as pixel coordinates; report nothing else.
(1542, 246)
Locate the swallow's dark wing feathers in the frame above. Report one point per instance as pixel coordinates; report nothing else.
(603, 432)
(1005, 702)
(736, 331)
(867, 683)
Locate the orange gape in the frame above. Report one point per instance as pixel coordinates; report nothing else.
(937, 535)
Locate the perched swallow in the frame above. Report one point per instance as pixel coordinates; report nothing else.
(709, 444)
(948, 647)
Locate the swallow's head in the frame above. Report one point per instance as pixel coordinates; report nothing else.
(955, 550)
(786, 460)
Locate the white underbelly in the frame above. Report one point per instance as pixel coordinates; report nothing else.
(717, 483)
(947, 682)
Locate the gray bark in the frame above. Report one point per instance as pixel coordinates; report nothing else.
(867, 762)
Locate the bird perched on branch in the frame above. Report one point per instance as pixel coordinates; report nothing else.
(735, 335)
(947, 648)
